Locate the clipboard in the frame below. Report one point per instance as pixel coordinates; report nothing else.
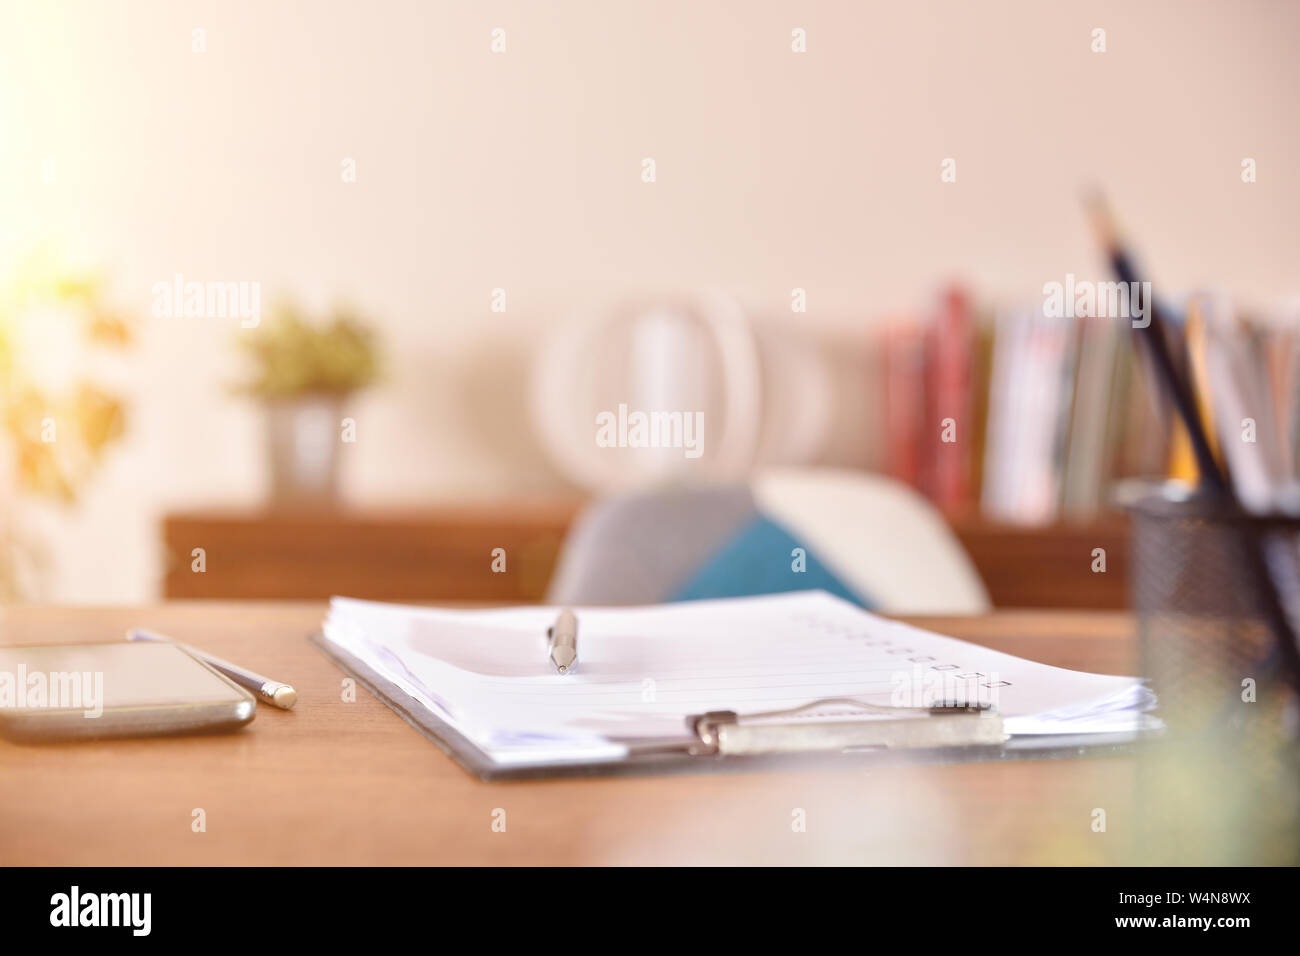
(723, 741)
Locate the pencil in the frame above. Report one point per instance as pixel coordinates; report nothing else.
(1214, 480)
(274, 692)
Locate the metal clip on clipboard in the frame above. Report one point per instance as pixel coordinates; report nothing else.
(944, 732)
(726, 733)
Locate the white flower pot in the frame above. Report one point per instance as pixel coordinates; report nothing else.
(303, 435)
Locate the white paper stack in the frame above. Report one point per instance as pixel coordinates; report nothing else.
(641, 671)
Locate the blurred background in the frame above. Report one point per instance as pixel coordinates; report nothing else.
(461, 231)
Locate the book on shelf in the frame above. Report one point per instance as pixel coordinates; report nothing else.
(1050, 413)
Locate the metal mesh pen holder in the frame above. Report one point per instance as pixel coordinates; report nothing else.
(1205, 640)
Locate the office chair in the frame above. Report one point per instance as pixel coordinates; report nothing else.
(865, 537)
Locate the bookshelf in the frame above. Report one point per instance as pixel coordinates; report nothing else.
(444, 554)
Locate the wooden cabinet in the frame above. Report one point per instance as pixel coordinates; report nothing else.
(1050, 567)
(447, 554)
(437, 554)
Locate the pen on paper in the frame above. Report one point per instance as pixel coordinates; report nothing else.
(562, 642)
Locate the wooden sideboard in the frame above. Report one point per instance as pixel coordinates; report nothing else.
(434, 554)
(1050, 567)
(446, 553)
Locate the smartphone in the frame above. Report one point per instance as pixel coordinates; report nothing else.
(88, 691)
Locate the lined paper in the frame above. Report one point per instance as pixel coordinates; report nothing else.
(641, 671)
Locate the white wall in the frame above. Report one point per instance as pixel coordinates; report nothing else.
(522, 170)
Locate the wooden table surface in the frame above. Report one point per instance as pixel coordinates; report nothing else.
(350, 783)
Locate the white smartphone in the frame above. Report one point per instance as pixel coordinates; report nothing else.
(80, 691)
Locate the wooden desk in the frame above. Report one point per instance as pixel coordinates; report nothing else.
(351, 783)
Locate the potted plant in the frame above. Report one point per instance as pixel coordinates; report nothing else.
(304, 371)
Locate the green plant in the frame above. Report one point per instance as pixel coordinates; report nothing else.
(58, 427)
(293, 356)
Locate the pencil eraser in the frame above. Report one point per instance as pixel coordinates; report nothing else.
(285, 697)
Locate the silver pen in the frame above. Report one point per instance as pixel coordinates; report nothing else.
(562, 642)
(272, 691)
